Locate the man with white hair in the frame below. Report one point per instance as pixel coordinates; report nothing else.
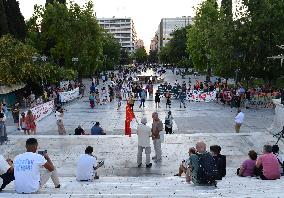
(144, 134)
(157, 127)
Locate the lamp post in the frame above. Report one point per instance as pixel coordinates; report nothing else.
(236, 79)
(40, 59)
(208, 56)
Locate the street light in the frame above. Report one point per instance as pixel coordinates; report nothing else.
(208, 56)
(236, 79)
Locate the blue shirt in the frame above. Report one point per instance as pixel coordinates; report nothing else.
(96, 130)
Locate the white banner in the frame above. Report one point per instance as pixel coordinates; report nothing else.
(43, 110)
(197, 96)
(69, 95)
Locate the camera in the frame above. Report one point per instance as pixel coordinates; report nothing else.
(42, 152)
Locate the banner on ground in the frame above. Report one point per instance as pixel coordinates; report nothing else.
(199, 96)
(43, 110)
(69, 95)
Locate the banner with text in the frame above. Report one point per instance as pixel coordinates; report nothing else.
(69, 95)
(198, 96)
(43, 110)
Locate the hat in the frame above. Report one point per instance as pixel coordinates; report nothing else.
(144, 120)
(97, 124)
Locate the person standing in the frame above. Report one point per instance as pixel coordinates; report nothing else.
(169, 123)
(23, 123)
(157, 127)
(3, 132)
(59, 114)
(30, 123)
(144, 133)
(92, 100)
(168, 99)
(143, 98)
(16, 114)
(157, 99)
(239, 120)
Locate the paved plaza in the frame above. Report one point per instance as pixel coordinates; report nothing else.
(120, 177)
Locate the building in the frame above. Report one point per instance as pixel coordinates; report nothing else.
(139, 44)
(169, 25)
(154, 43)
(123, 30)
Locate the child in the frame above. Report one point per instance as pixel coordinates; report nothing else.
(23, 123)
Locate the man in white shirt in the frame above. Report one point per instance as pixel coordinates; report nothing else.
(239, 120)
(29, 175)
(87, 166)
(6, 172)
(144, 134)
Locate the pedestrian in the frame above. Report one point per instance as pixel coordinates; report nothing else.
(144, 133)
(143, 98)
(169, 123)
(157, 127)
(30, 123)
(168, 99)
(59, 114)
(23, 123)
(118, 99)
(16, 114)
(157, 99)
(92, 100)
(239, 120)
(182, 97)
(131, 102)
(3, 132)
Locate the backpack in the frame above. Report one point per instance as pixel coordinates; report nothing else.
(207, 171)
(168, 121)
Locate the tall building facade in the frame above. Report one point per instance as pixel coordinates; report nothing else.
(123, 30)
(169, 25)
(154, 43)
(139, 44)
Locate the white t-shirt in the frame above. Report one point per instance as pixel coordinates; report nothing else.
(4, 166)
(143, 133)
(27, 172)
(240, 118)
(85, 167)
(58, 115)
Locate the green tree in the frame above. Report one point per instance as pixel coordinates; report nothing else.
(140, 55)
(124, 57)
(3, 20)
(68, 32)
(153, 56)
(15, 19)
(111, 51)
(52, 1)
(16, 65)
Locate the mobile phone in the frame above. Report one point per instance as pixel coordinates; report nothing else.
(42, 152)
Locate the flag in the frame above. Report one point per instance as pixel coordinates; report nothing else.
(129, 117)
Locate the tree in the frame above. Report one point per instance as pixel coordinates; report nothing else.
(52, 1)
(68, 32)
(124, 57)
(3, 20)
(140, 55)
(111, 51)
(15, 19)
(16, 65)
(153, 56)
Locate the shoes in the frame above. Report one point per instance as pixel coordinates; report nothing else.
(96, 177)
(154, 158)
(58, 186)
(139, 165)
(149, 165)
(177, 175)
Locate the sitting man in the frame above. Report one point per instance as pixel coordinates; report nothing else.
(144, 133)
(267, 165)
(203, 166)
(97, 130)
(220, 161)
(80, 131)
(184, 166)
(87, 166)
(6, 172)
(27, 169)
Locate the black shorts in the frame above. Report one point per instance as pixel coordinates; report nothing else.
(168, 130)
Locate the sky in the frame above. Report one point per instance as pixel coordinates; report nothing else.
(146, 14)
